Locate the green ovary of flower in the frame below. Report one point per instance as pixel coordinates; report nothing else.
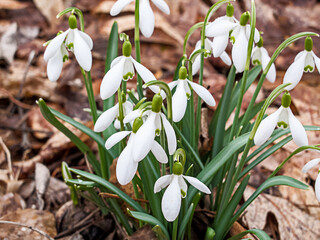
(230, 10)
(72, 21)
(183, 72)
(157, 103)
(126, 48)
(244, 18)
(177, 168)
(308, 44)
(286, 100)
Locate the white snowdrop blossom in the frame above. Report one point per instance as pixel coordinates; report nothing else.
(260, 56)
(74, 40)
(305, 61)
(221, 38)
(146, 16)
(122, 68)
(183, 92)
(145, 135)
(106, 118)
(240, 33)
(282, 118)
(127, 166)
(306, 168)
(177, 189)
(208, 46)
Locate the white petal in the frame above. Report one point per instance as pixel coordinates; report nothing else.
(256, 36)
(162, 5)
(171, 135)
(218, 28)
(203, 93)
(106, 118)
(183, 185)
(266, 127)
(116, 61)
(87, 39)
(298, 132)
(294, 73)
(159, 153)
(171, 200)
(240, 50)
(299, 55)
(132, 116)
(162, 182)
(317, 187)
(54, 66)
(117, 124)
(145, 74)
(146, 20)
(126, 167)
(82, 51)
(157, 122)
(197, 184)
(179, 102)
(54, 45)
(118, 6)
(128, 70)
(310, 165)
(127, 108)
(112, 80)
(173, 84)
(226, 59)
(316, 60)
(144, 138)
(271, 75)
(196, 65)
(309, 62)
(219, 45)
(256, 55)
(115, 138)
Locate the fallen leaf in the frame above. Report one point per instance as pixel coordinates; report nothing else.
(49, 9)
(42, 178)
(10, 202)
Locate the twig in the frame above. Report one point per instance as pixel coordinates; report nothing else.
(26, 226)
(88, 164)
(14, 100)
(8, 155)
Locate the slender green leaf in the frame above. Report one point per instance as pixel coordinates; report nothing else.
(259, 233)
(185, 221)
(149, 219)
(108, 186)
(47, 114)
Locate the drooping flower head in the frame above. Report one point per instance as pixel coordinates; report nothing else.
(260, 56)
(146, 16)
(305, 61)
(177, 189)
(306, 168)
(122, 68)
(151, 128)
(282, 118)
(127, 165)
(73, 40)
(183, 92)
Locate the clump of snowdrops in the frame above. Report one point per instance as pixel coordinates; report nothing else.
(155, 141)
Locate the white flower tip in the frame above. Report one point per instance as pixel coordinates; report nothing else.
(310, 165)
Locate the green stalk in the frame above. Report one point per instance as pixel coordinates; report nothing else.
(175, 229)
(191, 112)
(137, 47)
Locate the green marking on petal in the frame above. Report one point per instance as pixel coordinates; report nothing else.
(157, 132)
(308, 68)
(65, 58)
(70, 46)
(232, 39)
(282, 124)
(183, 193)
(256, 62)
(128, 76)
(188, 95)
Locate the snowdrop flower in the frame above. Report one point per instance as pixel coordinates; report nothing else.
(303, 62)
(239, 36)
(282, 118)
(106, 118)
(183, 92)
(208, 46)
(221, 37)
(177, 189)
(127, 165)
(306, 168)
(261, 56)
(123, 68)
(146, 16)
(76, 41)
(145, 135)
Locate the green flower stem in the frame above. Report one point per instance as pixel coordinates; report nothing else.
(103, 160)
(281, 47)
(188, 35)
(191, 112)
(195, 204)
(175, 229)
(137, 47)
(76, 11)
(298, 150)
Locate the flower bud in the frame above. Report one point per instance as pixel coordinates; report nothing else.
(286, 100)
(177, 168)
(244, 18)
(308, 44)
(183, 72)
(126, 48)
(230, 10)
(72, 21)
(260, 43)
(156, 103)
(137, 123)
